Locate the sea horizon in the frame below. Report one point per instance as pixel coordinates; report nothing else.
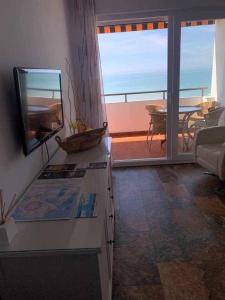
(155, 81)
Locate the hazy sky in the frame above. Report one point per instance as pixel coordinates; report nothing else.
(146, 51)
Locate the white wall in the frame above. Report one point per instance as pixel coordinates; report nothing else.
(125, 6)
(33, 33)
(218, 74)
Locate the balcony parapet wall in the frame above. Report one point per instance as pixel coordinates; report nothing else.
(133, 116)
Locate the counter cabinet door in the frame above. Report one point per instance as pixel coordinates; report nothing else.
(109, 244)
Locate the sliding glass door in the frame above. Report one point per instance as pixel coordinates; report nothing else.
(164, 80)
(134, 66)
(201, 80)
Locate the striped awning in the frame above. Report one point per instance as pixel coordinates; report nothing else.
(147, 26)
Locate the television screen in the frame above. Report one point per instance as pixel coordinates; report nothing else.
(40, 104)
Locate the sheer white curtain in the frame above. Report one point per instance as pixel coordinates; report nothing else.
(90, 103)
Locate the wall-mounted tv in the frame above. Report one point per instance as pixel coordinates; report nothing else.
(39, 96)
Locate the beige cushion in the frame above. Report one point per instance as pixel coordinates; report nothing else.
(221, 121)
(208, 156)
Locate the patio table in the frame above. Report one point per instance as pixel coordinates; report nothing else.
(187, 111)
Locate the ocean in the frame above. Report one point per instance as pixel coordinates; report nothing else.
(138, 82)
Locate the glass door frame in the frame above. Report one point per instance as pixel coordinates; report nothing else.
(138, 18)
(174, 78)
(175, 17)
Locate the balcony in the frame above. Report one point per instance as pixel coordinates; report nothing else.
(129, 120)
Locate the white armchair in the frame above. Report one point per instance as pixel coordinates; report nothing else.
(210, 150)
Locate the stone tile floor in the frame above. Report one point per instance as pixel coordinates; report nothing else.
(169, 239)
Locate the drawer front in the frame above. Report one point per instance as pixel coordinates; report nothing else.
(61, 277)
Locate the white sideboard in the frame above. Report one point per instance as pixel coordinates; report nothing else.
(65, 259)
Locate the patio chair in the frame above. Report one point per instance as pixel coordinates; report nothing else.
(211, 118)
(157, 125)
(205, 108)
(183, 128)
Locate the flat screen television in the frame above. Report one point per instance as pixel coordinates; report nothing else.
(39, 96)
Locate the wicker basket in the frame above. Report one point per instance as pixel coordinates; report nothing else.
(82, 141)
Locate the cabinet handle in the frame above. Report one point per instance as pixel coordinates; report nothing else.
(111, 216)
(109, 189)
(111, 242)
